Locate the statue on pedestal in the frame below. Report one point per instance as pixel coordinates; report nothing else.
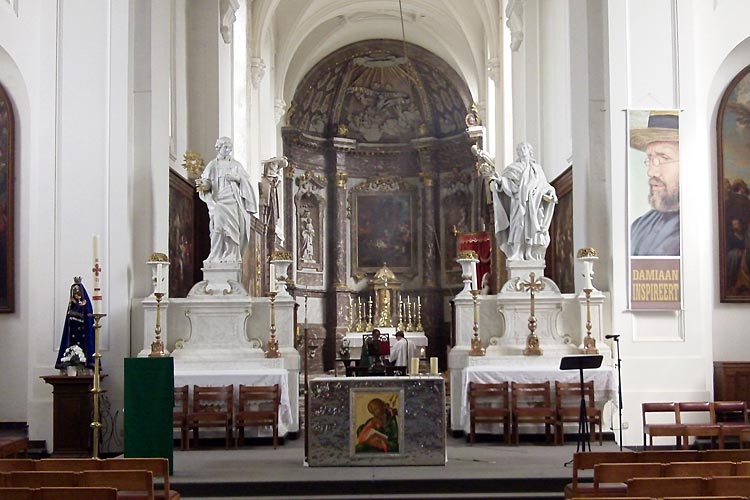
(523, 201)
(225, 188)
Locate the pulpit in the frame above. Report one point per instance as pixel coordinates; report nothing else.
(72, 414)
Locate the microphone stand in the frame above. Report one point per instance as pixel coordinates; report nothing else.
(616, 338)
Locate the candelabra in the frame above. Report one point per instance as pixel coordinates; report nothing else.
(96, 424)
(157, 346)
(401, 325)
(361, 321)
(532, 285)
(273, 343)
(419, 327)
(476, 342)
(409, 323)
(352, 324)
(369, 316)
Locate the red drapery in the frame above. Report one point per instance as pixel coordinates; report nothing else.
(481, 243)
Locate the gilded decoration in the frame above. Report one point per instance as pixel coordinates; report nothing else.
(586, 252)
(194, 164)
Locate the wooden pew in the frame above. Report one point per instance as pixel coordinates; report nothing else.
(612, 478)
(9, 493)
(79, 493)
(159, 467)
(667, 486)
(130, 484)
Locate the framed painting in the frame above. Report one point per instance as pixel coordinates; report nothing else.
(181, 235)
(376, 422)
(384, 231)
(733, 149)
(7, 208)
(560, 253)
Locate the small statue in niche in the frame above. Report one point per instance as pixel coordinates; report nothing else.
(307, 237)
(269, 187)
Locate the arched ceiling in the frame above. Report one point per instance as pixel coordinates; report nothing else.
(370, 92)
(464, 33)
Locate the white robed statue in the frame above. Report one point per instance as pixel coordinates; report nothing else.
(225, 188)
(523, 202)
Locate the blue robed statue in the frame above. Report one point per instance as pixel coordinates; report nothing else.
(79, 325)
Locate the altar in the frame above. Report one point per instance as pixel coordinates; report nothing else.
(372, 421)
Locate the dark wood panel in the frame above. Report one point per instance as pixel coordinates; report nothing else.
(732, 381)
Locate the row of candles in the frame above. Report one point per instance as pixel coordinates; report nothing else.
(362, 315)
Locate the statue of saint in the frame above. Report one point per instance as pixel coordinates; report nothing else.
(79, 325)
(523, 202)
(225, 188)
(269, 187)
(307, 232)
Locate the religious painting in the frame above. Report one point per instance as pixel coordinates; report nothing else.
(376, 422)
(733, 148)
(7, 158)
(654, 210)
(181, 235)
(560, 253)
(384, 231)
(455, 220)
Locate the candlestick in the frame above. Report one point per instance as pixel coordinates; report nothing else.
(96, 423)
(96, 297)
(157, 346)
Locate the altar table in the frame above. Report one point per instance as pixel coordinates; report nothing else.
(266, 376)
(605, 386)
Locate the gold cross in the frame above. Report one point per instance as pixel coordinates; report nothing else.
(96, 269)
(531, 285)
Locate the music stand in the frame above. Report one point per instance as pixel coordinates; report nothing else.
(582, 362)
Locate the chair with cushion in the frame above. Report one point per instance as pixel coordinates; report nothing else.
(531, 403)
(212, 407)
(258, 407)
(731, 417)
(669, 426)
(698, 419)
(489, 403)
(568, 407)
(180, 415)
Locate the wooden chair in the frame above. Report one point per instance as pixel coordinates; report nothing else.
(130, 484)
(611, 478)
(698, 419)
(531, 403)
(41, 479)
(698, 469)
(11, 464)
(731, 416)
(489, 403)
(729, 485)
(568, 407)
(673, 428)
(79, 493)
(665, 486)
(212, 407)
(67, 464)
(258, 407)
(9, 493)
(180, 415)
(159, 468)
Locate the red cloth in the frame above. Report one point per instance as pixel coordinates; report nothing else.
(481, 243)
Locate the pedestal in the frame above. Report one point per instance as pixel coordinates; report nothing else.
(72, 409)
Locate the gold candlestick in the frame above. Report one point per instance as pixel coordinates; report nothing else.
(96, 424)
(476, 342)
(273, 343)
(351, 313)
(419, 327)
(369, 315)
(589, 342)
(532, 341)
(400, 325)
(157, 346)
(409, 324)
(361, 323)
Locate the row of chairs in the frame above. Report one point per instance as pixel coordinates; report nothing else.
(531, 403)
(716, 420)
(74, 493)
(158, 468)
(139, 482)
(258, 406)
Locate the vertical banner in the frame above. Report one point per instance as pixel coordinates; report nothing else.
(654, 210)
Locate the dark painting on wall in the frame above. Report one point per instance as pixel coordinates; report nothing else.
(560, 253)
(733, 149)
(384, 232)
(7, 209)
(181, 235)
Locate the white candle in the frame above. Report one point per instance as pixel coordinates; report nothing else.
(433, 366)
(96, 298)
(588, 271)
(414, 366)
(159, 278)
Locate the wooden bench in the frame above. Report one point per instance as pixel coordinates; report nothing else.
(14, 447)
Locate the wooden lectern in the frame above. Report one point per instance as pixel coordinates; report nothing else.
(72, 412)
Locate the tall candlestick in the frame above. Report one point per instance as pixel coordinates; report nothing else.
(96, 297)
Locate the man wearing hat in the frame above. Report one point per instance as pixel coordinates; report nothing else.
(657, 232)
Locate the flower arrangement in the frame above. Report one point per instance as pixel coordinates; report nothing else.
(73, 356)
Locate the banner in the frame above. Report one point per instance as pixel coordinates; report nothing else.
(654, 210)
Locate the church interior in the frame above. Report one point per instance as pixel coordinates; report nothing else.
(237, 193)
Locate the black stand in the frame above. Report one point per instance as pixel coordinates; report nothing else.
(616, 338)
(580, 363)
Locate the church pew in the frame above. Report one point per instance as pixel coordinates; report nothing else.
(130, 484)
(699, 469)
(11, 464)
(78, 493)
(8, 493)
(159, 468)
(611, 478)
(14, 447)
(729, 485)
(667, 486)
(587, 461)
(67, 464)
(38, 479)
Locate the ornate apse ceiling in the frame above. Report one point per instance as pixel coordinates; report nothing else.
(370, 92)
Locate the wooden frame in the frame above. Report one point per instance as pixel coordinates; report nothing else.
(734, 206)
(181, 235)
(7, 204)
(560, 258)
(384, 230)
(361, 414)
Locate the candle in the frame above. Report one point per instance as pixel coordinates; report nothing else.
(421, 352)
(433, 366)
(588, 271)
(159, 278)
(414, 369)
(96, 297)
